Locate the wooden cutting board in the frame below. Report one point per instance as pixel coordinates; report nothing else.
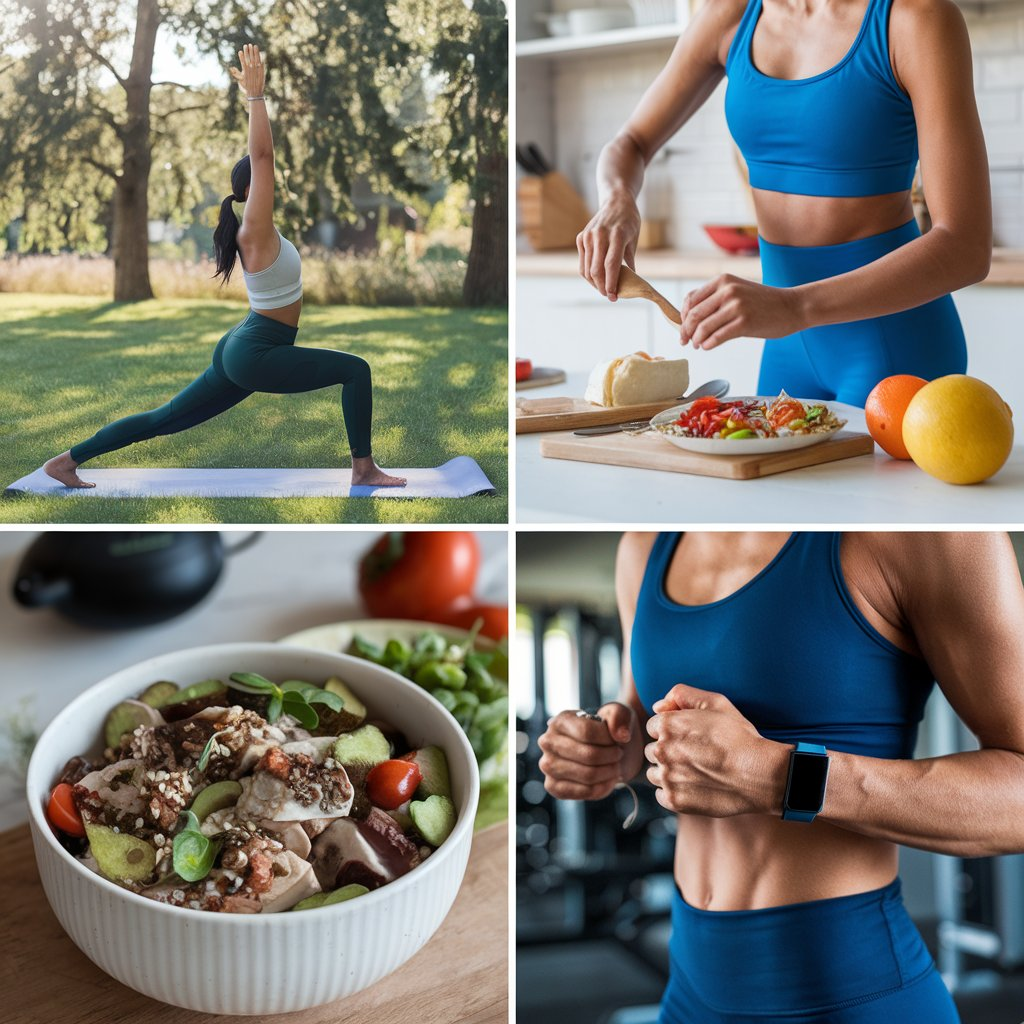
(541, 377)
(536, 414)
(459, 977)
(650, 451)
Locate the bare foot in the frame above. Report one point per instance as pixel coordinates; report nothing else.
(366, 473)
(64, 469)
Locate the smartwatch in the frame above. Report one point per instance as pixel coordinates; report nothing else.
(805, 785)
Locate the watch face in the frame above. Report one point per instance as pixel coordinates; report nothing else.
(806, 788)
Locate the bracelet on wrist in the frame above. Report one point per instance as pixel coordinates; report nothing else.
(254, 99)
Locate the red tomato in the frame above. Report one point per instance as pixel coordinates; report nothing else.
(464, 616)
(390, 783)
(417, 575)
(524, 369)
(63, 813)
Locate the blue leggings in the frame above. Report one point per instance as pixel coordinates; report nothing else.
(843, 362)
(850, 960)
(259, 354)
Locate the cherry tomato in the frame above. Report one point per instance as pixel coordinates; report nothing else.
(63, 813)
(524, 369)
(464, 616)
(390, 783)
(417, 575)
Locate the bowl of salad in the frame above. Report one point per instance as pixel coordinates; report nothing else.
(252, 828)
(747, 426)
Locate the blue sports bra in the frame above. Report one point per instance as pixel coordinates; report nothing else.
(849, 131)
(790, 649)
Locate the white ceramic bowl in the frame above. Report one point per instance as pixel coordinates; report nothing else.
(240, 963)
(583, 21)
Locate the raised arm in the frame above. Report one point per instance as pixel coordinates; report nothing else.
(258, 218)
(693, 71)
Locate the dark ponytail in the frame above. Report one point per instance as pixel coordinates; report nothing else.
(225, 245)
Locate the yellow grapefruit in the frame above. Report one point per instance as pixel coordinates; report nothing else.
(958, 429)
(885, 408)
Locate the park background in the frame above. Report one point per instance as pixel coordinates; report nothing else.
(118, 129)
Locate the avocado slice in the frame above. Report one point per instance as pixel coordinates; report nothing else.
(215, 797)
(125, 718)
(433, 766)
(434, 818)
(365, 745)
(325, 899)
(119, 856)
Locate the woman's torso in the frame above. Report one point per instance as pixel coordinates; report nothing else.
(779, 50)
(780, 626)
(269, 257)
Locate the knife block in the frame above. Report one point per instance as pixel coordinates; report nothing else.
(551, 211)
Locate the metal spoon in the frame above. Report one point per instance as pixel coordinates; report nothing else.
(716, 388)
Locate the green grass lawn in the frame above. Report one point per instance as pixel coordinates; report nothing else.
(69, 365)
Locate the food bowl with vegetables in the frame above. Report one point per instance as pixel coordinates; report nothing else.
(277, 828)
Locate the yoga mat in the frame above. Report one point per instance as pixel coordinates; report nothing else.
(458, 478)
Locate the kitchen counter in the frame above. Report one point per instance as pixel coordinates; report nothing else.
(1007, 265)
(869, 489)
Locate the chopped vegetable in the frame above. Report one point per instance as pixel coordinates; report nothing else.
(739, 419)
(390, 783)
(63, 813)
(434, 818)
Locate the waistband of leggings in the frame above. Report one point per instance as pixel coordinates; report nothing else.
(789, 914)
(788, 265)
(268, 328)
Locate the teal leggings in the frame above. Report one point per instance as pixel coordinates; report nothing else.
(257, 355)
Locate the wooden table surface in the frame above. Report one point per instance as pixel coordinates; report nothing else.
(459, 977)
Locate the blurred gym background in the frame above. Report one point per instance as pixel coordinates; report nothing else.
(592, 900)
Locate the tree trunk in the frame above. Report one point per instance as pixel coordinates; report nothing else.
(486, 282)
(131, 195)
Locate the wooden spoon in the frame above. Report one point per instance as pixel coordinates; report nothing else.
(633, 286)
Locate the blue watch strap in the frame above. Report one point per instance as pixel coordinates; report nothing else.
(792, 815)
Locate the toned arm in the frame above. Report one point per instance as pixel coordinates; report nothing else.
(693, 71)
(962, 598)
(932, 60)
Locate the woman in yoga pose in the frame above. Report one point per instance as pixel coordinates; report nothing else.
(758, 667)
(260, 353)
(831, 103)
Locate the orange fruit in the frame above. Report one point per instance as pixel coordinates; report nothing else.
(958, 429)
(885, 408)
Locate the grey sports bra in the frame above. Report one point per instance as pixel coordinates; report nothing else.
(280, 284)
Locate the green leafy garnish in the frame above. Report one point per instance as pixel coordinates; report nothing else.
(814, 412)
(194, 853)
(204, 757)
(293, 697)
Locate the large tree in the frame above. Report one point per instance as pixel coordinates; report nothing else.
(465, 44)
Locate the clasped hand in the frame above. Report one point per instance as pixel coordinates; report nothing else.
(706, 758)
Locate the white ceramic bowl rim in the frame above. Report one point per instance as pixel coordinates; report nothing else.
(35, 786)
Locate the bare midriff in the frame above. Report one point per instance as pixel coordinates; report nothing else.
(284, 314)
(752, 861)
(786, 219)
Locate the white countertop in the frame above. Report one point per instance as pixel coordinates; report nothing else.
(287, 581)
(876, 490)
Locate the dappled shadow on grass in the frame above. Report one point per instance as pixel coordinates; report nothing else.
(283, 511)
(439, 391)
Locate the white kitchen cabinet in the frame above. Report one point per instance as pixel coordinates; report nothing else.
(563, 322)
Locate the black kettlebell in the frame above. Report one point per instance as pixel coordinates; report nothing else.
(118, 580)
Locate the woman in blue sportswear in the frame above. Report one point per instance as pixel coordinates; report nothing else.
(772, 689)
(832, 105)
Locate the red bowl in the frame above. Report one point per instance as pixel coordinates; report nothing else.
(733, 238)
